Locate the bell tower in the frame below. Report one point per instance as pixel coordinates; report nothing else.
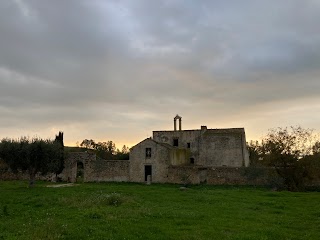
(177, 117)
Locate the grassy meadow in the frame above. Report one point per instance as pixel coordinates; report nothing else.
(158, 211)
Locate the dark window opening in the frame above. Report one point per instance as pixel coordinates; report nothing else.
(192, 160)
(176, 142)
(188, 145)
(148, 152)
(147, 171)
(80, 165)
(80, 171)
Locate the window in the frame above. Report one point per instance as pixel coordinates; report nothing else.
(192, 160)
(176, 142)
(188, 145)
(148, 152)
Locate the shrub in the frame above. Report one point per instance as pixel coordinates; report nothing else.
(114, 199)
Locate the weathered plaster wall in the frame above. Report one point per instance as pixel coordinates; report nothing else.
(210, 147)
(185, 137)
(179, 156)
(159, 160)
(221, 149)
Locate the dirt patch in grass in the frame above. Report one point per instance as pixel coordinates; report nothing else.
(62, 185)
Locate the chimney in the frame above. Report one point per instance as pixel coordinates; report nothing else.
(203, 128)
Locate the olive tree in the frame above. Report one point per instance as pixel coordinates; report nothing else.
(35, 155)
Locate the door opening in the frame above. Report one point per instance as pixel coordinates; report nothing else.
(147, 171)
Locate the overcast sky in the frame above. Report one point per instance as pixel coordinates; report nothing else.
(117, 70)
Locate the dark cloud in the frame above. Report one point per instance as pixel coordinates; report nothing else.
(126, 67)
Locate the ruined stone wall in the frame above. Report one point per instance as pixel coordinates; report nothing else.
(186, 175)
(95, 169)
(108, 171)
(7, 174)
(69, 172)
(233, 176)
(214, 176)
(20, 175)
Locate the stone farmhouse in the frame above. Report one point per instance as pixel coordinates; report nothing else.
(201, 148)
(201, 155)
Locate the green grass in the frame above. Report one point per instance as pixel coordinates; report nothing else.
(136, 211)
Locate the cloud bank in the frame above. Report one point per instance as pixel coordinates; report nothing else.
(116, 70)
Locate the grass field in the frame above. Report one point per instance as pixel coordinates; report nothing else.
(136, 211)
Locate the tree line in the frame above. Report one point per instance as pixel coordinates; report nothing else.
(106, 150)
(294, 154)
(37, 155)
(34, 155)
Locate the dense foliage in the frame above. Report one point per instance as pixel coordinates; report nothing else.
(106, 150)
(293, 152)
(34, 155)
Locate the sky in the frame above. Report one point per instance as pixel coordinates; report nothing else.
(119, 69)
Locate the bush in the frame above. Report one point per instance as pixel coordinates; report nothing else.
(114, 199)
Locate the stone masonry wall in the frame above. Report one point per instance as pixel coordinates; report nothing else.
(186, 175)
(108, 171)
(213, 176)
(95, 169)
(7, 174)
(209, 147)
(232, 176)
(69, 172)
(222, 149)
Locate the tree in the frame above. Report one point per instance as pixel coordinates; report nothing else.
(59, 165)
(123, 154)
(88, 144)
(111, 147)
(35, 156)
(254, 152)
(291, 152)
(106, 150)
(125, 150)
(316, 148)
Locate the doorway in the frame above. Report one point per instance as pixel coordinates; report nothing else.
(147, 171)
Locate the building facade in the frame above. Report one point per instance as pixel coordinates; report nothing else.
(200, 149)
